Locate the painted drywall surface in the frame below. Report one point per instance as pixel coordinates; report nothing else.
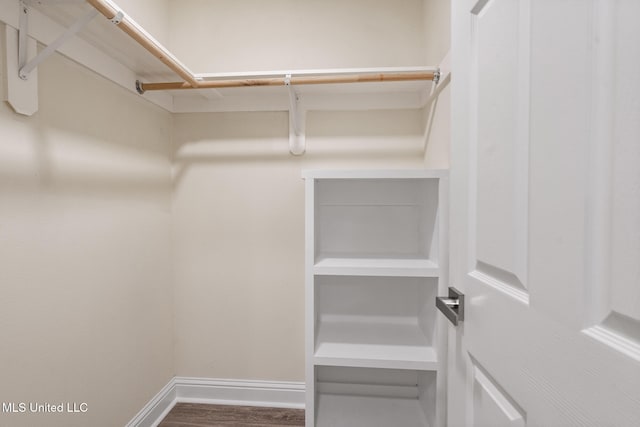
(152, 15)
(239, 230)
(437, 29)
(85, 279)
(437, 137)
(251, 35)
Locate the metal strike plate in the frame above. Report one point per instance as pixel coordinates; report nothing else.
(452, 306)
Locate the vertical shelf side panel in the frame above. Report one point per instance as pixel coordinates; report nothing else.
(443, 284)
(428, 396)
(310, 314)
(430, 233)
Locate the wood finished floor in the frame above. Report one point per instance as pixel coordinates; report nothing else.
(201, 415)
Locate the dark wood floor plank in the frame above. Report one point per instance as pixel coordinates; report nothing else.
(201, 415)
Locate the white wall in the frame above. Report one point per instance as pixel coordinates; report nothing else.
(239, 230)
(152, 15)
(251, 35)
(86, 304)
(437, 17)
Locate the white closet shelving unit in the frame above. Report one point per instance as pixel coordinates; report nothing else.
(104, 38)
(375, 261)
(113, 45)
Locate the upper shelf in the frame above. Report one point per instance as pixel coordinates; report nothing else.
(104, 36)
(104, 48)
(398, 267)
(355, 96)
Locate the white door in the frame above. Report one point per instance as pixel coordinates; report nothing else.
(545, 213)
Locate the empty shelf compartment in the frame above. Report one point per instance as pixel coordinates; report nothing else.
(374, 344)
(383, 322)
(377, 219)
(366, 397)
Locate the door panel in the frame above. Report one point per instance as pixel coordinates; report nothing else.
(562, 83)
(491, 405)
(499, 122)
(545, 208)
(613, 303)
(625, 120)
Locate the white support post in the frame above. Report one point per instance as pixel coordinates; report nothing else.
(297, 121)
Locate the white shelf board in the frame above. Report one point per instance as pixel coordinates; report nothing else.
(109, 39)
(401, 267)
(314, 72)
(351, 96)
(374, 344)
(334, 410)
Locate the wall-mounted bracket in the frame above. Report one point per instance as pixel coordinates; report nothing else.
(441, 79)
(297, 121)
(139, 87)
(27, 68)
(436, 76)
(22, 59)
(117, 19)
(21, 95)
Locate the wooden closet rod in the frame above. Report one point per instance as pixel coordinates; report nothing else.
(281, 81)
(106, 8)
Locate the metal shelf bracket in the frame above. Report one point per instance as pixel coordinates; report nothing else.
(436, 76)
(27, 67)
(297, 121)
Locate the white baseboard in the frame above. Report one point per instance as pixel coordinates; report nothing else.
(277, 394)
(240, 392)
(157, 408)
